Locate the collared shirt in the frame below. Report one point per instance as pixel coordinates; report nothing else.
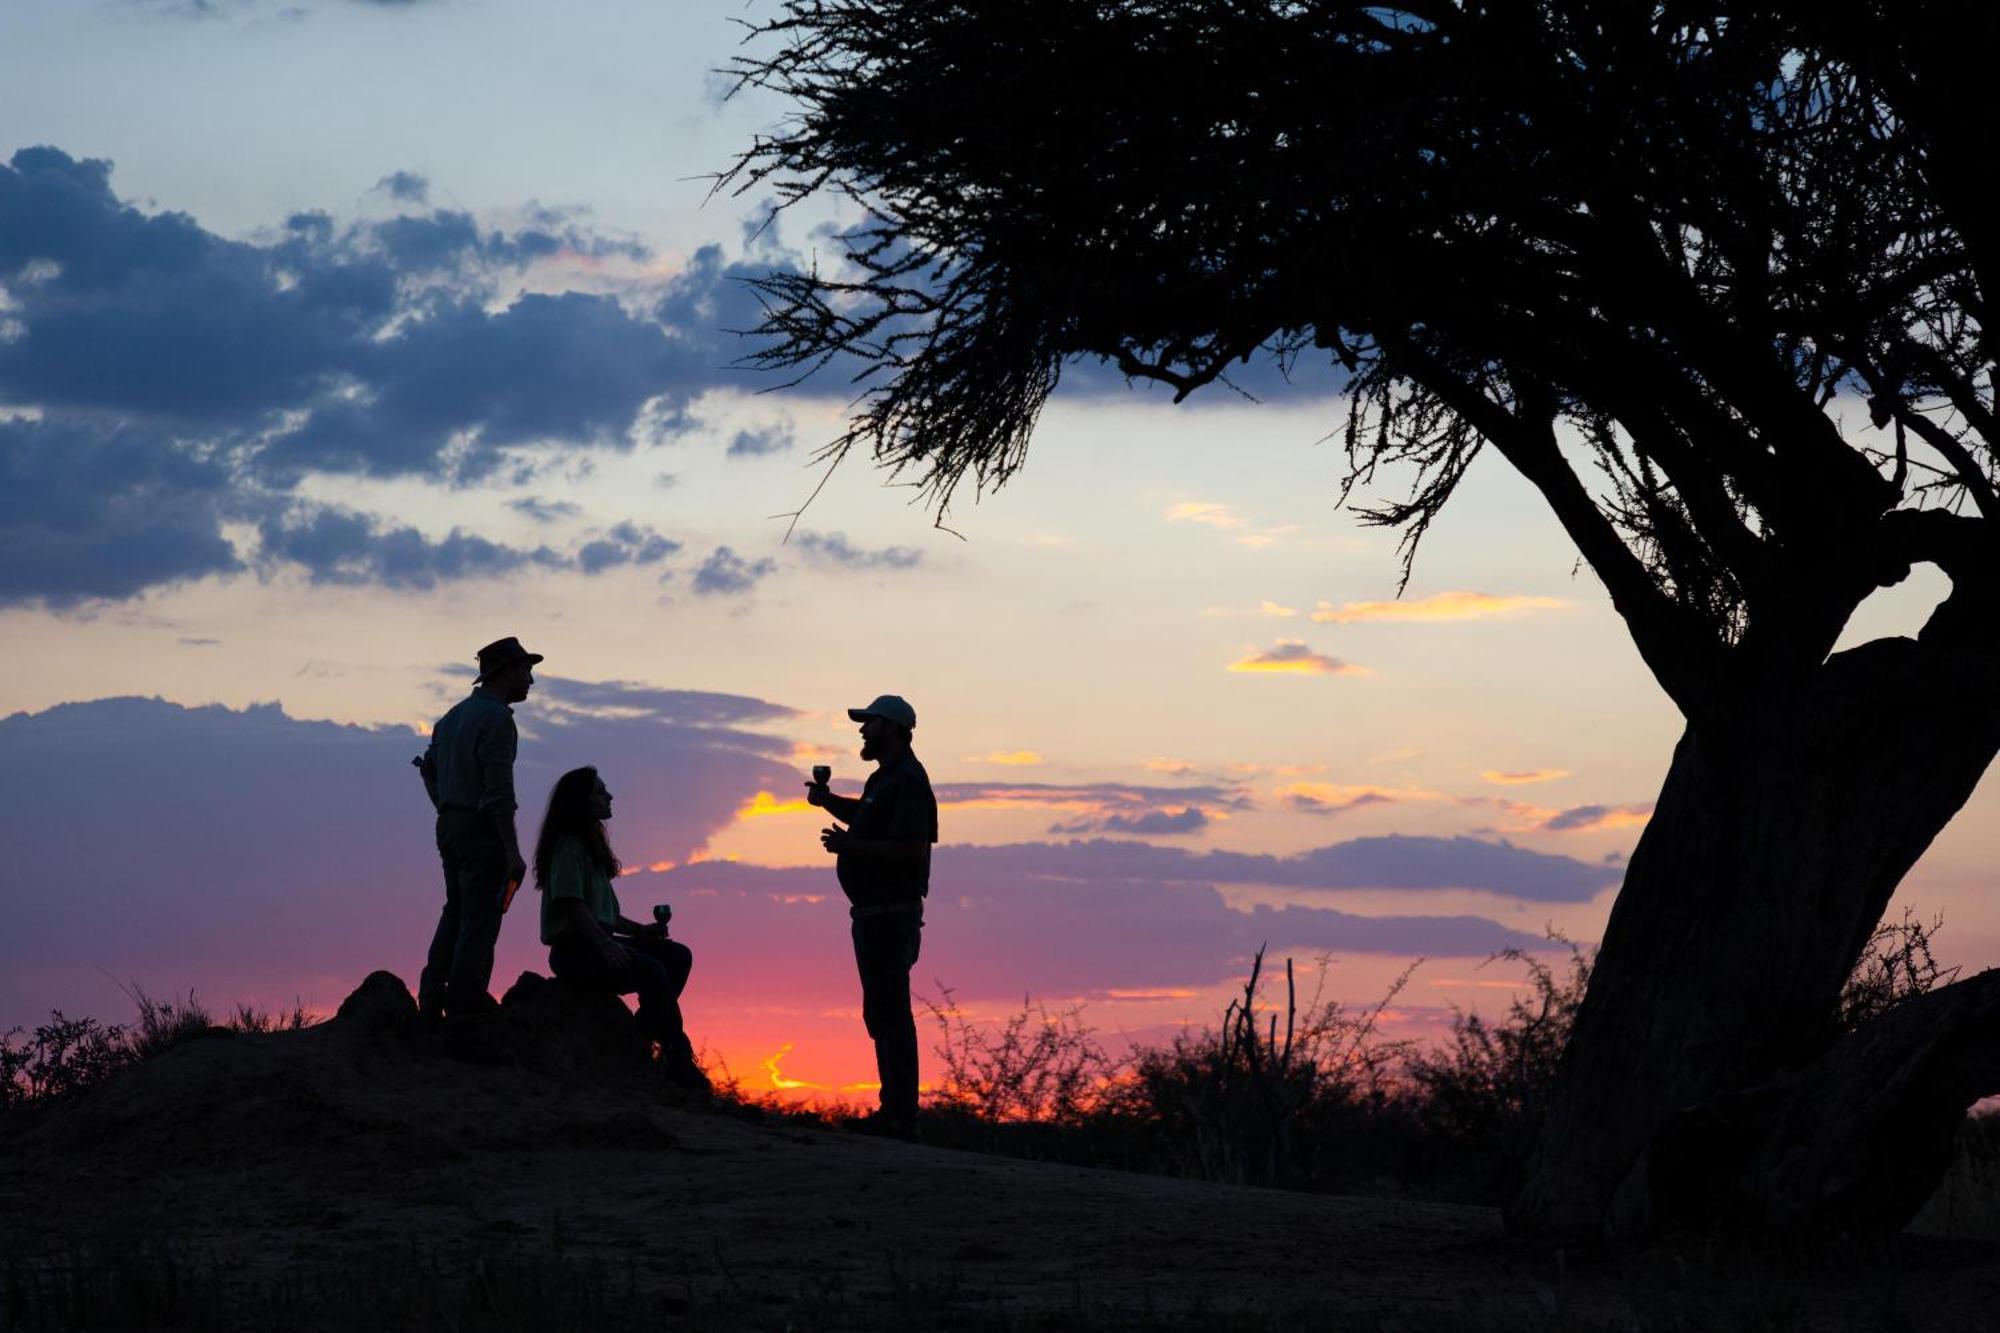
(896, 804)
(470, 765)
(574, 877)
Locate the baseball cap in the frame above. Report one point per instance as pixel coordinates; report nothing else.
(890, 707)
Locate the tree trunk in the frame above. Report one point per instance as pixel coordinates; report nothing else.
(1770, 857)
(1849, 1145)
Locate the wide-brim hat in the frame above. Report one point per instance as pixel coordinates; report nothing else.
(889, 707)
(503, 653)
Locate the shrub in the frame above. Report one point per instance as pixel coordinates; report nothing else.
(62, 1056)
(1039, 1066)
(66, 1055)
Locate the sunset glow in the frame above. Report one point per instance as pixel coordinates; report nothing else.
(259, 538)
(1443, 606)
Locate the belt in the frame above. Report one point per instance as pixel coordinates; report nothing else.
(859, 912)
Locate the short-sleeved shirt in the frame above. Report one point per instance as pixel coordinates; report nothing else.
(573, 876)
(896, 804)
(470, 765)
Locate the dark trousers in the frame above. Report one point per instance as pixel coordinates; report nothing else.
(657, 970)
(885, 949)
(460, 964)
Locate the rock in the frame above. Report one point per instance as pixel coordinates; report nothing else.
(571, 1032)
(381, 1002)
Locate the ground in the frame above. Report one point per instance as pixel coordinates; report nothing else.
(350, 1176)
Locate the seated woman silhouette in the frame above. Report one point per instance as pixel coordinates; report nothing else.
(590, 944)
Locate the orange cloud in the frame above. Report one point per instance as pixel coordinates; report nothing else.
(779, 1080)
(1274, 609)
(1576, 818)
(1520, 777)
(764, 803)
(1441, 606)
(1203, 512)
(1011, 758)
(1293, 657)
(1332, 798)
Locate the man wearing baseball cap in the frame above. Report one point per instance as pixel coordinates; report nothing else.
(469, 773)
(884, 865)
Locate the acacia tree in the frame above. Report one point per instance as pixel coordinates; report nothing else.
(1710, 276)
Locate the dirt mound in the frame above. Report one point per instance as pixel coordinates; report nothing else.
(375, 1080)
(350, 1175)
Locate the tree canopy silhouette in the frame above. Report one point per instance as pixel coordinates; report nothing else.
(1710, 276)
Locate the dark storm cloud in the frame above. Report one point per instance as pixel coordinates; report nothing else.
(208, 377)
(92, 513)
(833, 549)
(570, 368)
(336, 545)
(726, 574)
(201, 378)
(341, 546)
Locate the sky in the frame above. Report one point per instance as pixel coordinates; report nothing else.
(340, 337)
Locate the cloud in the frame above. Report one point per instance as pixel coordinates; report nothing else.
(1191, 819)
(627, 544)
(1575, 819)
(328, 844)
(405, 186)
(1329, 798)
(1440, 606)
(1293, 657)
(1521, 777)
(172, 382)
(1011, 758)
(244, 826)
(762, 441)
(1204, 512)
(545, 511)
(726, 573)
(1171, 767)
(89, 512)
(1389, 862)
(335, 545)
(1268, 608)
(996, 926)
(833, 549)
(1593, 818)
(1094, 798)
(614, 699)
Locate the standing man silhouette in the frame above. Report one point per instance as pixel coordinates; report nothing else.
(884, 865)
(469, 772)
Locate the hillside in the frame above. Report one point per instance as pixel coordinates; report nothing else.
(348, 1176)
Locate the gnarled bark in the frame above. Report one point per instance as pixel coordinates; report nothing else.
(1850, 1144)
(1772, 852)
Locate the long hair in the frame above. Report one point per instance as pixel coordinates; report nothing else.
(570, 816)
